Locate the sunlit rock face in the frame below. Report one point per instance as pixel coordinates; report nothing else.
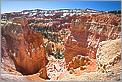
(60, 45)
(88, 31)
(24, 46)
(108, 57)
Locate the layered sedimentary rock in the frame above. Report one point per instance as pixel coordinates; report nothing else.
(88, 31)
(108, 63)
(72, 37)
(25, 47)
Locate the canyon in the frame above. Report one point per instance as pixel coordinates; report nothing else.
(60, 45)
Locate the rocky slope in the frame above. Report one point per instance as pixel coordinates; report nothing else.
(108, 64)
(87, 32)
(60, 46)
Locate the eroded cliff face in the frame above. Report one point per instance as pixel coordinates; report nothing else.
(108, 59)
(61, 48)
(25, 47)
(87, 32)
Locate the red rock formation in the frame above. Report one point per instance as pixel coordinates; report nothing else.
(88, 31)
(79, 61)
(25, 47)
(73, 48)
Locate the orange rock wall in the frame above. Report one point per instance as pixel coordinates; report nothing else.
(25, 47)
(88, 31)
